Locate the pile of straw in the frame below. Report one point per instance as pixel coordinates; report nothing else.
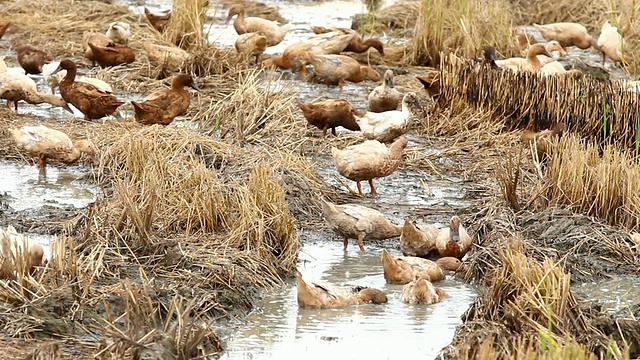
(598, 111)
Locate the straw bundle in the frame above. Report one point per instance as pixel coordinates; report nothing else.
(599, 111)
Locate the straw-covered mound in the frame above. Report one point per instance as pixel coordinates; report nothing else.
(598, 111)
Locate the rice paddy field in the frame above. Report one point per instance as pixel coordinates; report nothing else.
(183, 240)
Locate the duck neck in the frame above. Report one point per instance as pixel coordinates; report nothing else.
(70, 76)
(373, 43)
(239, 24)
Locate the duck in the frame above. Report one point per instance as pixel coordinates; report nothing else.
(295, 56)
(4, 25)
(335, 69)
(388, 125)
(357, 44)
(47, 143)
(112, 54)
(32, 58)
(329, 114)
(119, 32)
(431, 83)
(316, 296)
(418, 240)
(369, 160)
(532, 63)
(20, 87)
(404, 269)
(243, 24)
(251, 44)
(610, 43)
(567, 34)
(171, 58)
(555, 68)
(453, 240)
(163, 105)
(91, 101)
(352, 221)
(524, 38)
(54, 79)
(116, 39)
(543, 140)
(422, 291)
(17, 251)
(158, 19)
(385, 96)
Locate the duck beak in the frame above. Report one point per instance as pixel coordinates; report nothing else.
(417, 104)
(455, 235)
(546, 53)
(228, 18)
(66, 107)
(194, 86)
(562, 51)
(391, 83)
(95, 160)
(57, 70)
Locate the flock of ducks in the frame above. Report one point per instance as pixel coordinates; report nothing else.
(559, 36)
(429, 252)
(93, 97)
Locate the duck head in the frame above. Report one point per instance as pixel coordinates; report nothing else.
(450, 263)
(372, 295)
(454, 228)
(87, 147)
(183, 80)
(388, 78)
(234, 10)
(65, 64)
(411, 99)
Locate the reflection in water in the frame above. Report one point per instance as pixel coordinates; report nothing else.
(278, 328)
(615, 295)
(28, 188)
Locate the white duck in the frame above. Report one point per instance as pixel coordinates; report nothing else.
(54, 79)
(46, 143)
(421, 291)
(535, 55)
(119, 32)
(16, 251)
(610, 43)
(16, 87)
(388, 125)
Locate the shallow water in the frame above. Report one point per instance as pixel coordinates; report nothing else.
(616, 295)
(278, 329)
(26, 188)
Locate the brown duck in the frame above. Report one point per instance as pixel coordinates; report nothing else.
(329, 114)
(91, 101)
(32, 58)
(162, 106)
(112, 54)
(158, 19)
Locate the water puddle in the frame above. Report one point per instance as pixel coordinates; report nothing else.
(618, 294)
(278, 328)
(27, 189)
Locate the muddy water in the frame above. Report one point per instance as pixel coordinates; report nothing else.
(278, 329)
(27, 188)
(616, 295)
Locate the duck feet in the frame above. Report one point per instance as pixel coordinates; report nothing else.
(359, 188)
(373, 188)
(346, 242)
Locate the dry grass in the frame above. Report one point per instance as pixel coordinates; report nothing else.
(185, 28)
(598, 183)
(461, 27)
(525, 296)
(399, 19)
